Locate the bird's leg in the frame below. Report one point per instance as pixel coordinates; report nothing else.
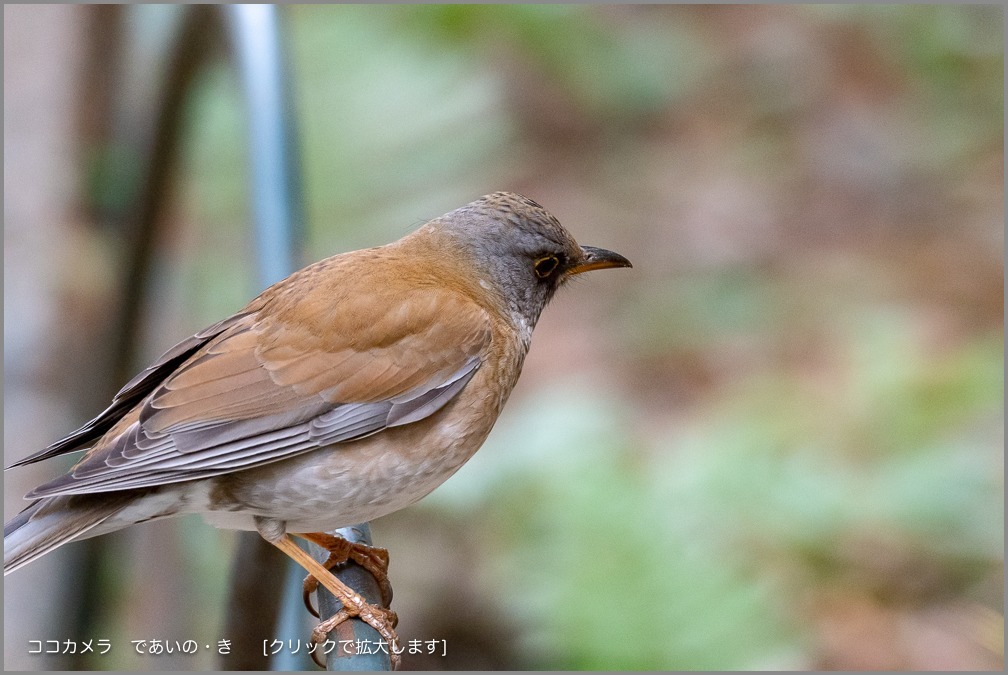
(381, 619)
(375, 560)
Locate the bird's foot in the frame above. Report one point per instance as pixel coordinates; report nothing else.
(375, 560)
(381, 619)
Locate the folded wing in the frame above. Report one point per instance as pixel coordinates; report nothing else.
(264, 387)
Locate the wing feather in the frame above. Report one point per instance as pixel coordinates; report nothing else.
(133, 392)
(263, 388)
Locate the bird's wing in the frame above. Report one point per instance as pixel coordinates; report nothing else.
(132, 393)
(267, 388)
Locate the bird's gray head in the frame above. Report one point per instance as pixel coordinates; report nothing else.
(522, 249)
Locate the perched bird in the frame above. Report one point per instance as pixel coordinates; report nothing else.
(342, 393)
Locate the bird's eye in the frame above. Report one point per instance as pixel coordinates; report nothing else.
(546, 265)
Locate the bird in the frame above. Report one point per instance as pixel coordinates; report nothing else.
(342, 393)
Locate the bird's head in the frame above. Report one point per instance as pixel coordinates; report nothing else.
(520, 251)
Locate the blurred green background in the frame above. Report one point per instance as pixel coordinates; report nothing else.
(777, 442)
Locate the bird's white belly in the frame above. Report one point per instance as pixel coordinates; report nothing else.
(346, 484)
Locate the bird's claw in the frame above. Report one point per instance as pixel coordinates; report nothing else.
(381, 619)
(372, 558)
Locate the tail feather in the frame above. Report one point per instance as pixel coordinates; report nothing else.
(50, 522)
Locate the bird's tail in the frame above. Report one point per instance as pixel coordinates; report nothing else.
(50, 522)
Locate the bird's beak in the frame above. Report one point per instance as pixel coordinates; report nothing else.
(597, 259)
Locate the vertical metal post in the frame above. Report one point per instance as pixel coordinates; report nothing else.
(274, 160)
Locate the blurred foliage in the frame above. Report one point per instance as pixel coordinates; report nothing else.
(950, 55)
(694, 552)
(802, 391)
(613, 71)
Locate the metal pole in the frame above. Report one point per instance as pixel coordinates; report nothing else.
(353, 632)
(274, 160)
